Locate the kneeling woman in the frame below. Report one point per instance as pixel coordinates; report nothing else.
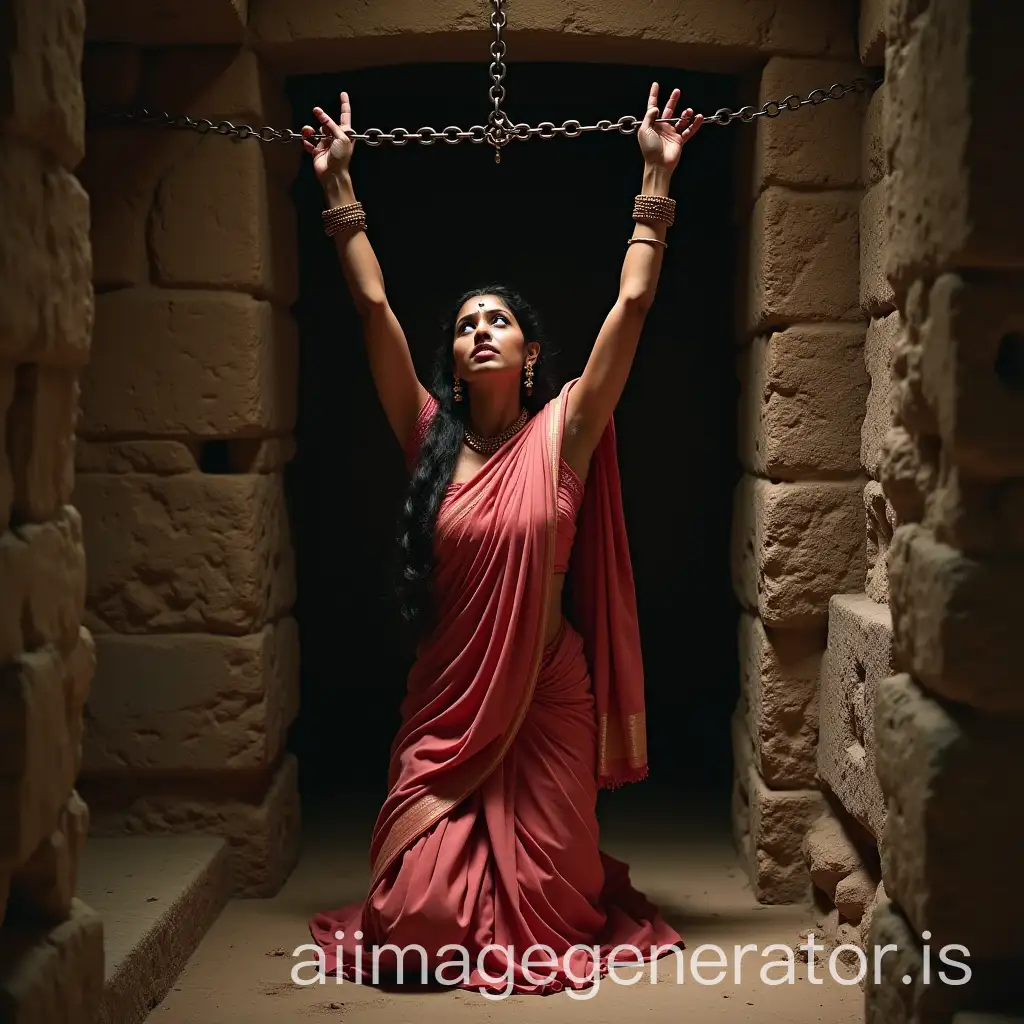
(488, 840)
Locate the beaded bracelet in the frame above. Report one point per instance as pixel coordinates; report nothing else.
(654, 210)
(341, 217)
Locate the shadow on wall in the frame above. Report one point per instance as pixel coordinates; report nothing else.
(552, 221)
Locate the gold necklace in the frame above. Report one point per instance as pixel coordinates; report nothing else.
(489, 445)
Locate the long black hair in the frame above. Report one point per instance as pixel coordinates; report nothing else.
(439, 453)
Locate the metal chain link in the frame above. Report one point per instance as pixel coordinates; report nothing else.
(499, 130)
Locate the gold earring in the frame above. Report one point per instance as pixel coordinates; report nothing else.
(457, 389)
(529, 378)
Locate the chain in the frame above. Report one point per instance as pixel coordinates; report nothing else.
(499, 130)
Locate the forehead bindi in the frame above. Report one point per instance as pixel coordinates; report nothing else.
(482, 304)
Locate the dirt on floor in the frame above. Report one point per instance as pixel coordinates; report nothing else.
(682, 858)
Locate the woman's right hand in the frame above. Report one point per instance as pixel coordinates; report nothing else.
(331, 155)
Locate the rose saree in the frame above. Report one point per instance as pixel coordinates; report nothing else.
(488, 837)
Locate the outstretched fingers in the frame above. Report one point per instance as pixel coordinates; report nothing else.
(671, 105)
(346, 111)
(328, 122)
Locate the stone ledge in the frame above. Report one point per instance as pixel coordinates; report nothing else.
(157, 897)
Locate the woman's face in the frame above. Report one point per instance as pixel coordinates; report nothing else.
(489, 340)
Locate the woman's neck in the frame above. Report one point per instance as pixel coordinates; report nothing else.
(490, 414)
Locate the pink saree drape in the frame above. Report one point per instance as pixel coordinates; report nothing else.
(488, 837)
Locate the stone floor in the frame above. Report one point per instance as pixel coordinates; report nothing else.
(682, 858)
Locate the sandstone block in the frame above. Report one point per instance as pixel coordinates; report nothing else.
(264, 836)
(111, 73)
(803, 258)
(881, 521)
(38, 755)
(873, 163)
(214, 363)
(152, 23)
(6, 476)
(45, 261)
(830, 854)
(945, 780)
(121, 177)
(221, 221)
(187, 553)
(859, 654)
(320, 36)
(161, 457)
(854, 894)
(42, 584)
(56, 976)
(972, 372)
(43, 889)
(908, 471)
(819, 150)
(956, 620)
(779, 821)
(743, 755)
(779, 685)
(879, 354)
(42, 85)
(802, 394)
(192, 703)
(977, 517)
(876, 294)
(948, 202)
(794, 546)
(41, 440)
(872, 32)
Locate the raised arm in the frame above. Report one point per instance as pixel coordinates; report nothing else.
(394, 375)
(593, 399)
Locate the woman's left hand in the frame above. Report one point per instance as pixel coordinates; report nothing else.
(662, 144)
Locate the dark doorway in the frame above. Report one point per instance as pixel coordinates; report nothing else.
(552, 221)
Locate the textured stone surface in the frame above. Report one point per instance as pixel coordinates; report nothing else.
(321, 36)
(153, 22)
(876, 294)
(240, 229)
(779, 686)
(263, 837)
(779, 821)
(854, 894)
(42, 889)
(956, 620)
(42, 584)
(879, 352)
(953, 164)
(873, 163)
(41, 440)
(803, 258)
(193, 703)
(160, 457)
(794, 546)
(881, 521)
(858, 655)
(41, 51)
(55, 976)
(871, 35)
(213, 363)
(802, 394)
(186, 553)
(945, 781)
(907, 471)
(831, 854)
(45, 261)
(977, 517)
(41, 698)
(972, 372)
(819, 150)
(158, 897)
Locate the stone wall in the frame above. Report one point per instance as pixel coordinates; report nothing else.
(948, 723)
(799, 512)
(51, 944)
(187, 413)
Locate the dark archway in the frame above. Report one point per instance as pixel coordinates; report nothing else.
(551, 220)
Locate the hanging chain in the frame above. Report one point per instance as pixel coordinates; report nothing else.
(499, 130)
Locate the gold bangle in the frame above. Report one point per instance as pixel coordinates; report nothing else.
(649, 241)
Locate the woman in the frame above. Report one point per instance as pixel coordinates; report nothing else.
(516, 714)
